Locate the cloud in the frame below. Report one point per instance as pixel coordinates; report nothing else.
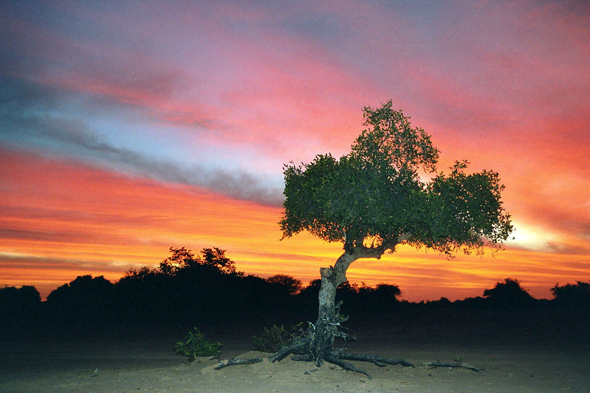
(74, 138)
(563, 248)
(32, 235)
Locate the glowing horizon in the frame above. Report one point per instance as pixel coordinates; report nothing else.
(82, 232)
(126, 129)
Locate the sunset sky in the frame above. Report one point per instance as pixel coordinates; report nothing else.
(128, 127)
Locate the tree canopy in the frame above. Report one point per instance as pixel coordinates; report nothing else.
(212, 258)
(375, 198)
(509, 294)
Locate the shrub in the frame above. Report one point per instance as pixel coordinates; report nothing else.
(276, 338)
(196, 345)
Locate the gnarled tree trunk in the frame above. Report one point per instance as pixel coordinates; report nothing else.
(318, 344)
(327, 325)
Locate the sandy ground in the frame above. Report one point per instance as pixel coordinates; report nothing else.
(149, 365)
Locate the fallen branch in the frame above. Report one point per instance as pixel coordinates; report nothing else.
(234, 362)
(451, 365)
(377, 360)
(345, 365)
(302, 358)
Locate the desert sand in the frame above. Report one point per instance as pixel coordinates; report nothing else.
(150, 365)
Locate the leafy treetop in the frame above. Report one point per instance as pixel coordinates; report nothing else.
(182, 258)
(373, 198)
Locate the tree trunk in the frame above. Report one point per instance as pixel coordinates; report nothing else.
(327, 326)
(318, 344)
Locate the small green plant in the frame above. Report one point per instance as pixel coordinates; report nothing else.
(276, 338)
(196, 345)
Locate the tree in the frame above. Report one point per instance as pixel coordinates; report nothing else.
(509, 295)
(183, 259)
(374, 199)
(185, 287)
(86, 302)
(215, 257)
(289, 284)
(572, 296)
(19, 308)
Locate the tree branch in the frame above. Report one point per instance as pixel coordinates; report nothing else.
(297, 348)
(234, 362)
(377, 360)
(452, 365)
(346, 365)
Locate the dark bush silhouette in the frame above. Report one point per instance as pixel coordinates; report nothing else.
(191, 289)
(387, 296)
(142, 296)
(508, 295)
(19, 308)
(290, 285)
(573, 296)
(365, 300)
(206, 290)
(85, 303)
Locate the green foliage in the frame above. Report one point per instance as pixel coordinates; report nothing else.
(196, 345)
(466, 210)
(276, 338)
(374, 197)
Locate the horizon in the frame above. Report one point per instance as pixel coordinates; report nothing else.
(306, 284)
(129, 128)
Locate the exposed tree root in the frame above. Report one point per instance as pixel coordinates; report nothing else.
(233, 362)
(377, 360)
(345, 365)
(301, 352)
(299, 348)
(452, 365)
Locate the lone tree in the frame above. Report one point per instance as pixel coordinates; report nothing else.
(374, 199)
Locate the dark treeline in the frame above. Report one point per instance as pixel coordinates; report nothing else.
(188, 290)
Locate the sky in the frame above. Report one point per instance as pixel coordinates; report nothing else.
(129, 127)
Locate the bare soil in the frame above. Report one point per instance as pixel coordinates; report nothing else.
(150, 365)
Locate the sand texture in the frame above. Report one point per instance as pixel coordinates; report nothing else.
(149, 365)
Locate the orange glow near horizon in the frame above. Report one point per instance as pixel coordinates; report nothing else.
(69, 220)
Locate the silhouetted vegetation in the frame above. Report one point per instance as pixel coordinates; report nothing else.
(509, 295)
(189, 289)
(573, 296)
(19, 309)
(83, 304)
(205, 290)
